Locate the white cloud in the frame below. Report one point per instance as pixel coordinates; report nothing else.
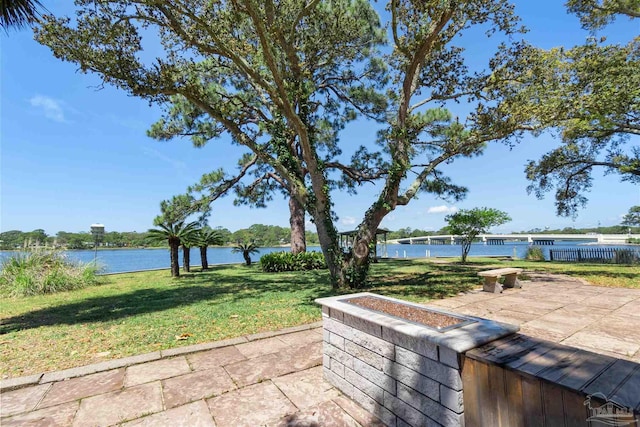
(127, 122)
(443, 209)
(177, 164)
(52, 108)
(348, 220)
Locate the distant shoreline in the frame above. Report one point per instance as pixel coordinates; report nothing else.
(100, 249)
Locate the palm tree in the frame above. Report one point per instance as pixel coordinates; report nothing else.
(187, 244)
(189, 241)
(17, 13)
(173, 233)
(204, 238)
(247, 249)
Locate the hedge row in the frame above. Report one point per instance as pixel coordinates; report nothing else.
(286, 261)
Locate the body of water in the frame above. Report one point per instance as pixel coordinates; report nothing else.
(517, 249)
(123, 260)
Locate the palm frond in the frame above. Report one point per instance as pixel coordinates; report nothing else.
(18, 13)
(210, 237)
(245, 248)
(170, 230)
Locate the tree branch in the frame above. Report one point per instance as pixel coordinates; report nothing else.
(442, 98)
(226, 185)
(356, 175)
(413, 71)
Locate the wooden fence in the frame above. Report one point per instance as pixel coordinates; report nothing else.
(603, 255)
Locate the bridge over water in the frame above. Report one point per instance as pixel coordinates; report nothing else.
(534, 239)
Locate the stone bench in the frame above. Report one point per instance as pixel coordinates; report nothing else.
(491, 279)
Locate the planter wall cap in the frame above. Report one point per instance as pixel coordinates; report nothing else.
(461, 339)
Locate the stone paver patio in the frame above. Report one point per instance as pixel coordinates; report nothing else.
(565, 310)
(275, 379)
(272, 379)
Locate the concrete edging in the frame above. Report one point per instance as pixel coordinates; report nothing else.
(53, 376)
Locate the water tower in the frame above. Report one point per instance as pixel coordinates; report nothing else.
(98, 233)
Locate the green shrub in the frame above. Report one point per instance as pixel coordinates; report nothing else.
(633, 240)
(534, 253)
(44, 272)
(275, 262)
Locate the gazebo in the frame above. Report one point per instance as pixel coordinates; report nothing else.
(347, 238)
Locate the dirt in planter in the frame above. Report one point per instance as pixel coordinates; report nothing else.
(422, 316)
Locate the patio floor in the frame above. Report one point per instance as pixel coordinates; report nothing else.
(565, 310)
(272, 379)
(275, 379)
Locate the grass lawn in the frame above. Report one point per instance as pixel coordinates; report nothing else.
(142, 312)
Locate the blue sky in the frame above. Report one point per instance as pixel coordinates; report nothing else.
(73, 154)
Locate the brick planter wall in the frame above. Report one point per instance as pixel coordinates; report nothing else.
(406, 374)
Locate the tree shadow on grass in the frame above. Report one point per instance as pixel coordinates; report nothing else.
(438, 281)
(187, 291)
(107, 308)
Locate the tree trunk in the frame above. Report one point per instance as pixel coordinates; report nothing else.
(465, 251)
(350, 270)
(174, 245)
(247, 257)
(357, 266)
(466, 247)
(319, 205)
(186, 258)
(203, 258)
(333, 255)
(296, 220)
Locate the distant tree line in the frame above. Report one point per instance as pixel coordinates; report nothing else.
(259, 234)
(267, 235)
(614, 229)
(411, 232)
(16, 239)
